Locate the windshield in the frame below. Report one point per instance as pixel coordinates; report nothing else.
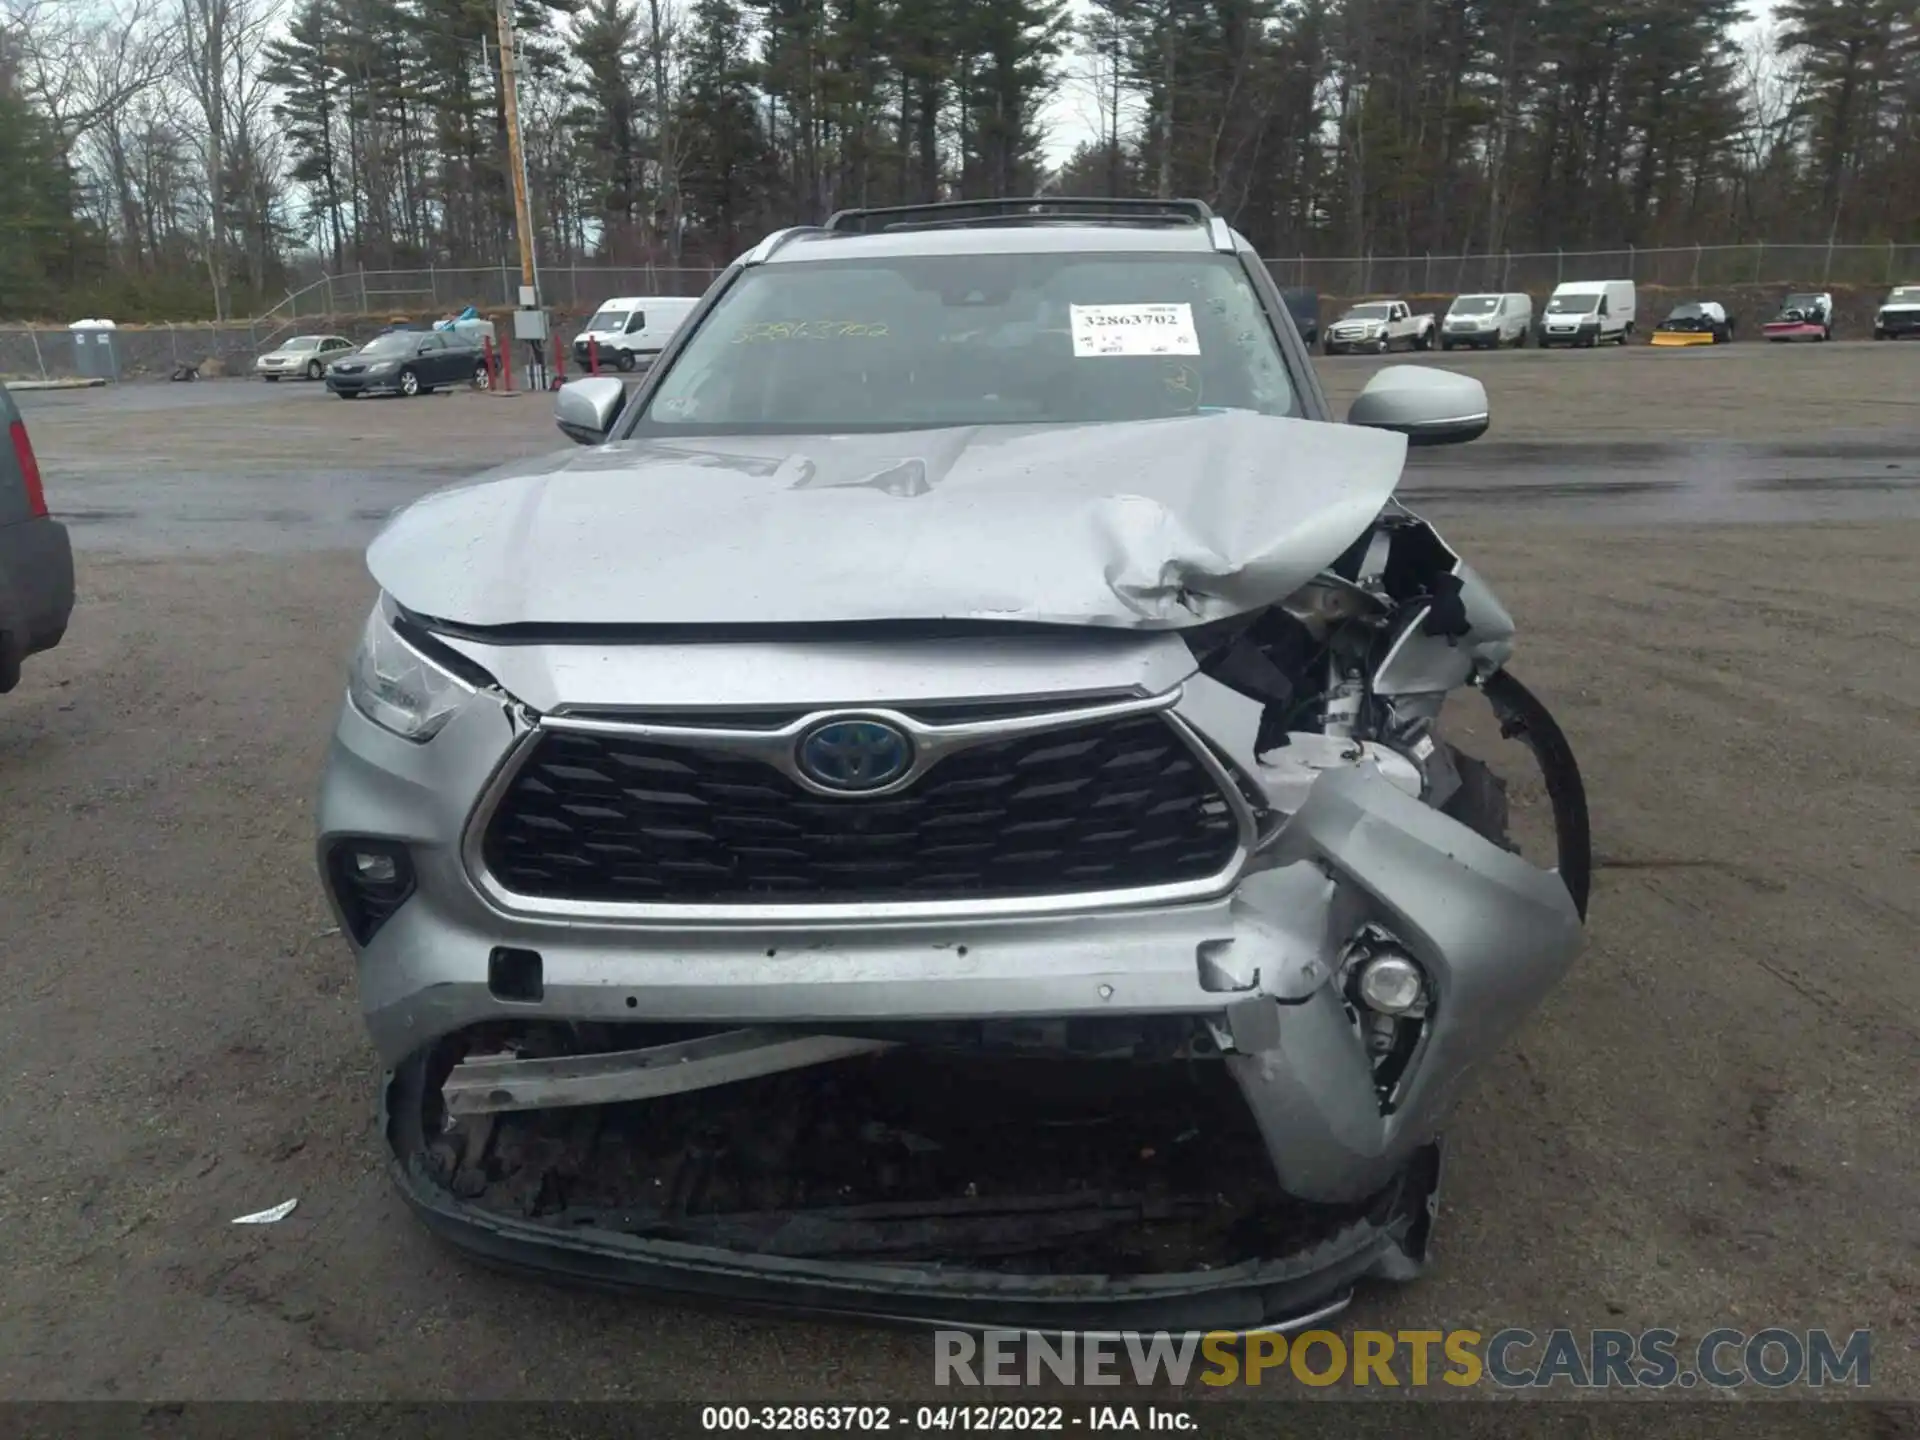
(1475, 305)
(302, 342)
(1905, 295)
(1801, 302)
(1368, 312)
(1572, 304)
(609, 320)
(921, 341)
(1687, 312)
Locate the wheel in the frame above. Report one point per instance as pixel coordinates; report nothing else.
(409, 383)
(1422, 340)
(271, 379)
(482, 377)
(1382, 345)
(1446, 345)
(348, 394)
(313, 369)
(1826, 333)
(623, 361)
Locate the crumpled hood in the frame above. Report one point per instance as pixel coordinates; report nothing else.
(1151, 524)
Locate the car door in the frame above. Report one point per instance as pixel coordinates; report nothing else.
(1397, 327)
(636, 338)
(430, 360)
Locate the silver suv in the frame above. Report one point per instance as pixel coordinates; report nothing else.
(939, 812)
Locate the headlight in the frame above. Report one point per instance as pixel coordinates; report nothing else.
(398, 688)
(380, 367)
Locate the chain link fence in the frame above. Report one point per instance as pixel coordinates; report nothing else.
(437, 291)
(1702, 267)
(135, 352)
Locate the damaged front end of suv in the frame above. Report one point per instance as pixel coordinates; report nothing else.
(943, 822)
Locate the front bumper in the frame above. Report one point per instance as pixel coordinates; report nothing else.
(1673, 338)
(1897, 323)
(1257, 967)
(364, 384)
(1494, 932)
(1792, 330)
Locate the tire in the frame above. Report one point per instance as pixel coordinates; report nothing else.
(408, 383)
(623, 362)
(482, 377)
(1423, 340)
(1383, 346)
(348, 394)
(313, 370)
(1446, 345)
(1826, 334)
(271, 379)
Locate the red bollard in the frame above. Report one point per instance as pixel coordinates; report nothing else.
(559, 367)
(593, 356)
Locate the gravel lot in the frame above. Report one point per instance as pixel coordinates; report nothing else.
(1711, 1123)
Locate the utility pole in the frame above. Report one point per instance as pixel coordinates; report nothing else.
(522, 207)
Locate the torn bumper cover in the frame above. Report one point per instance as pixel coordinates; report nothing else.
(1252, 979)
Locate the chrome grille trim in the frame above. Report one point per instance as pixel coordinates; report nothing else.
(942, 740)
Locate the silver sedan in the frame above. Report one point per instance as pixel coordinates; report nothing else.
(302, 357)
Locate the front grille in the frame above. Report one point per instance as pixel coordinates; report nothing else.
(1112, 805)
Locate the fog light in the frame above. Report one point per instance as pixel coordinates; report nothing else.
(374, 868)
(370, 880)
(1391, 984)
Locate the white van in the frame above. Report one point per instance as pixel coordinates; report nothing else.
(1487, 322)
(1589, 312)
(631, 330)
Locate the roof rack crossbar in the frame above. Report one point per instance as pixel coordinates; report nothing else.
(1017, 210)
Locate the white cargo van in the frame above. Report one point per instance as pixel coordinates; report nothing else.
(631, 330)
(1589, 312)
(1487, 322)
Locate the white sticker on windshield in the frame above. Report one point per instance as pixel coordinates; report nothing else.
(1133, 330)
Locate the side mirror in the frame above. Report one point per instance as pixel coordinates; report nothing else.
(1428, 406)
(586, 409)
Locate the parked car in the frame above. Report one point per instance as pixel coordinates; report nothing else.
(631, 331)
(1487, 322)
(1589, 312)
(1899, 314)
(409, 362)
(303, 357)
(1304, 305)
(795, 856)
(1695, 322)
(1379, 326)
(1804, 315)
(36, 557)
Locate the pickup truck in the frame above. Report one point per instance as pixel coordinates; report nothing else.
(1379, 326)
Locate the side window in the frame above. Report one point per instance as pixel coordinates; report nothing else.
(1399, 312)
(637, 323)
(432, 342)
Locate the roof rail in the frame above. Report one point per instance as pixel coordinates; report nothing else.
(1017, 211)
(765, 248)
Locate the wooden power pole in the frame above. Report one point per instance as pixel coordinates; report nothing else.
(516, 153)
